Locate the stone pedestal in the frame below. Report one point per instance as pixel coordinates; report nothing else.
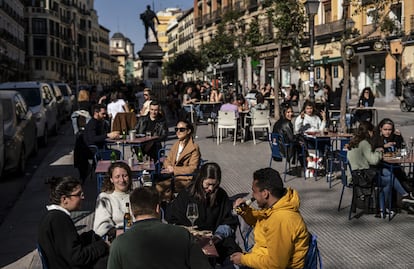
(151, 56)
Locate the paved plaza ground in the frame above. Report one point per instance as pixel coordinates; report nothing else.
(365, 242)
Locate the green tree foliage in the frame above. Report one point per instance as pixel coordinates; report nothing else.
(220, 49)
(288, 19)
(190, 60)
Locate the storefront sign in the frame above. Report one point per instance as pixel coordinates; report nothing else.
(268, 54)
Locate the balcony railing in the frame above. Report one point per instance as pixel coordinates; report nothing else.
(368, 28)
(329, 28)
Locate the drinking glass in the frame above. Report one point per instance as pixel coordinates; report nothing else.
(192, 213)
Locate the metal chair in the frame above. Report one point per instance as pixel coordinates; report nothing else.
(259, 120)
(346, 184)
(42, 256)
(226, 120)
(276, 140)
(313, 259)
(104, 155)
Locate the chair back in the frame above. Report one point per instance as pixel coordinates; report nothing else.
(227, 119)
(313, 259)
(260, 118)
(124, 121)
(276, 142)
(42, 256)
(106, 154)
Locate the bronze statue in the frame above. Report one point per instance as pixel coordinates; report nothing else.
(147, 18)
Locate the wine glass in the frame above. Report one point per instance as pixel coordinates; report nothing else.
(192, 213)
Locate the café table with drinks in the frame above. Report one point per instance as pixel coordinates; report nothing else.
(132, 140)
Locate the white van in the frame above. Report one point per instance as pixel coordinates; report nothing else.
(42, 103)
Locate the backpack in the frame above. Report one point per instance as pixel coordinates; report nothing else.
(79, 120)
(313, 259)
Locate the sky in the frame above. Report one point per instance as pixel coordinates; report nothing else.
(123, 16)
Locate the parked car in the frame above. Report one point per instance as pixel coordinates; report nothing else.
(20, 131)
(41, 101)
(1, 140)
(68, 98)
(60, 102)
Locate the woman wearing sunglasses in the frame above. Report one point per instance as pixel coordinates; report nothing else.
(58, 236)
(184, 157)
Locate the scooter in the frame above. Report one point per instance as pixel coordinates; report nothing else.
(407, 97)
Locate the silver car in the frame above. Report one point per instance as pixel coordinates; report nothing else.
(20, 131)
(68, 98)
(42, 102)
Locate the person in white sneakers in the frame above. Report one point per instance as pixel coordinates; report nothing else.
(309, 121)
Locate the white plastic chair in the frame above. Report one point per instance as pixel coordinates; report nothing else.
(260, 120)
(226, 120)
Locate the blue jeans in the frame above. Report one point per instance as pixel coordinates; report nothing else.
(385, 183)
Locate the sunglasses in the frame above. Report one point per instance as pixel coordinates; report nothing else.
(145, 94)
(80, 194)
(180, 129)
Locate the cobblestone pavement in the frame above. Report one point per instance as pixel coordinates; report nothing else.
(365, 242)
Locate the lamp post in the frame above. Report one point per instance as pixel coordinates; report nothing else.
(349, 54)
(312, 7)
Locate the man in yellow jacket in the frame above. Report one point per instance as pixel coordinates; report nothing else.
(281, 236)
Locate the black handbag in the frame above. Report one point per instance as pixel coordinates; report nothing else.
(363, 178)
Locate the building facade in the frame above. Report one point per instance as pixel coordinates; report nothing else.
(12, 49)
(54, 40)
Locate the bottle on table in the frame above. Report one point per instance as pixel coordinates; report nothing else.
(140, 155)
(334, 127)
(127, 218)
(113, 156)
(123, 134)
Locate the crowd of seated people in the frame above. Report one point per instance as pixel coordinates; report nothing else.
(185, 181)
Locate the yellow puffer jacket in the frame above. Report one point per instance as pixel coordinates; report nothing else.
(281, 236)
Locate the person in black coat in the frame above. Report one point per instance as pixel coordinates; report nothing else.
(215, 210)
(58, 238)
(366, 99)
(155, 123)
(284, 127)
(389, 139)
(97, 129)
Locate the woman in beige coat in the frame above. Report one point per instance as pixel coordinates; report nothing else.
(183, 159)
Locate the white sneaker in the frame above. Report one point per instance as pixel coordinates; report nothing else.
(309, 173)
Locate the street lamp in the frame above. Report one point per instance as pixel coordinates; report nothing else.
(349, 54)
(312, 7)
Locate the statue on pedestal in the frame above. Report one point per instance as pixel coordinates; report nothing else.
(147, 18)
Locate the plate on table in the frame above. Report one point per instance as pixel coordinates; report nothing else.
(312, 133)
(140, 135)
